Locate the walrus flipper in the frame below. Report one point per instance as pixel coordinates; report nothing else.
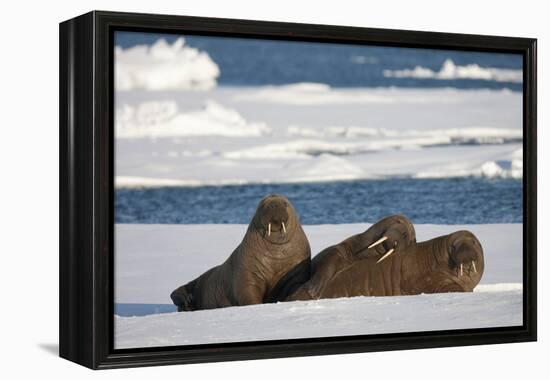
(182, 297)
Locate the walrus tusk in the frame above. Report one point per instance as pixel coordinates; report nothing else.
(461, 269)
(269, 229)
(474, 266)
(381, 240)
(386, 255)
(284, 228)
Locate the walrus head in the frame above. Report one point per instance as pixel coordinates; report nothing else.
(391, 235)
(275, 219)
(465, 256)
(448, 263)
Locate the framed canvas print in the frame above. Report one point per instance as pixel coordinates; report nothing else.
(237, 189)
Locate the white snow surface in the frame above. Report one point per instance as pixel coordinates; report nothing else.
(152, 260)
(163, 119)
(322, 318)
(311, 132)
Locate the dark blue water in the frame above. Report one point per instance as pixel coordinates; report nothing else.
(253, 62)
(439, 201)
(140, 309)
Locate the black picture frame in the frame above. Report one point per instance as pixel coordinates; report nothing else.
(87, 188)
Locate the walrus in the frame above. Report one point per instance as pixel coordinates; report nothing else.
(449, 263)
(390, 236)
(271, 261)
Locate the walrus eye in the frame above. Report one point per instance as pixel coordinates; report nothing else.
(405, 235)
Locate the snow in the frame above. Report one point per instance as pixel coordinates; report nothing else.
(449, 71)
(478, 135)
(164, 66)
(508, 165)
(307, 94)
(152, 260)
(312, 132)
(163, 119)
(323, 318)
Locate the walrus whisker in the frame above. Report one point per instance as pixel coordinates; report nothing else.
(284, 228)
(474, 266)
(269, 229)
(461, 269)
(381, 240)
(386, 255)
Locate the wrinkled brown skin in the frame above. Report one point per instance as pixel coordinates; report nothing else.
(328, 267)
(432, 266)
(257, 270)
